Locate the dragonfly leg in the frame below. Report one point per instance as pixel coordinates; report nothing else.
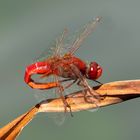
(70, 84)
(66, 105)
(100, 84)
(87, 94)
(83, 82)
(60, 92)
(93, 100)
(97, 95)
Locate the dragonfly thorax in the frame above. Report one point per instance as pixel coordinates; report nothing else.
(67, 67)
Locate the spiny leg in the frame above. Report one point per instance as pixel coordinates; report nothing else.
(80, 83)
(91, 92)
(98, 82)
(70, 84)
(60, 92)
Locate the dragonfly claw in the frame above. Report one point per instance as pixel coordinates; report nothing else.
(66, 105)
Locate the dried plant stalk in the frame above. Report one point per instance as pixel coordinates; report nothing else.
(112, 93)
(12, 129)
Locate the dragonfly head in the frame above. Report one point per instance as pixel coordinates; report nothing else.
(94, 71)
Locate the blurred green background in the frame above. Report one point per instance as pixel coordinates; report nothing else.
(27, 27)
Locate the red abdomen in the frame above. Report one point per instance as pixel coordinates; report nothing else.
(36, 68)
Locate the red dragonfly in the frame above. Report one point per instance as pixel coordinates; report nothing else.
(66, 66)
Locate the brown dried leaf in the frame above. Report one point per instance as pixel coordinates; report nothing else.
(12, 129)
(112, 93)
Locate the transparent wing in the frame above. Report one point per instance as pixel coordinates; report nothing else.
(60, 92)
(57, 117)
(40, 95)
(64, 46)
(89, 28)
(47, 53)
(56, 92)
(55, 49)
(60, 44)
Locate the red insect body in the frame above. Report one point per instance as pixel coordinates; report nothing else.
(66, 66)
(36, 68)
(92, 72)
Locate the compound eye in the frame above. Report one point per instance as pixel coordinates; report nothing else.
(99, 71)
(95, 71)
